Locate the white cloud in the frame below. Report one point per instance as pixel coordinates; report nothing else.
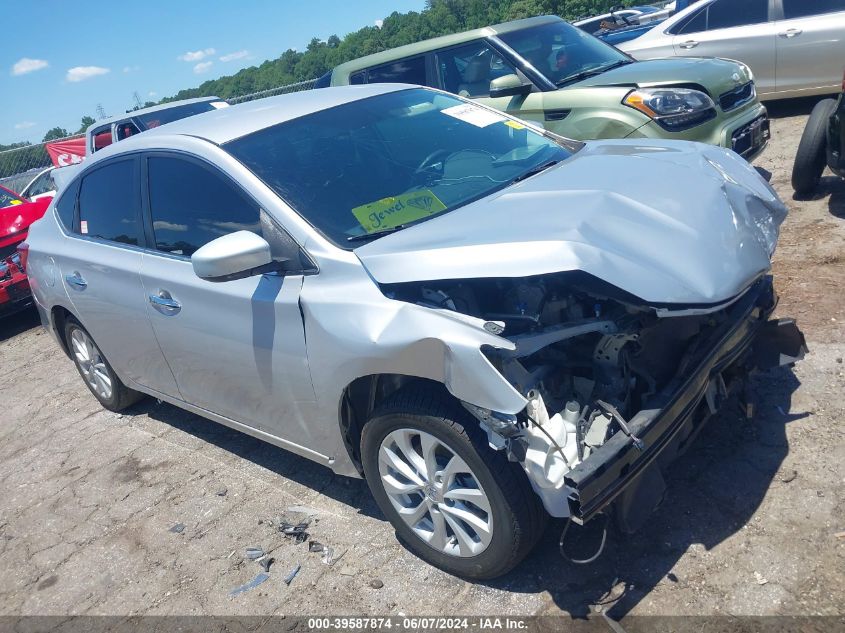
(203, 67)
(379, 23)
(131, 69)
(81, 73)
(24, 125)
(26, 65)
(233, 56)
(195, 56)
(152, 93)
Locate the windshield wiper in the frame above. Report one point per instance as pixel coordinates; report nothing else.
(592, 72)
(375, 234)
(534, 171)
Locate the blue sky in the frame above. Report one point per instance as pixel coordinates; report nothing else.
(64, 57)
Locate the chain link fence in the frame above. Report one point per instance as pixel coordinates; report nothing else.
(18, 166)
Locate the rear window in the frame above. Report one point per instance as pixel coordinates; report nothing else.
(405, 71)
(110, 202)
(805, 8)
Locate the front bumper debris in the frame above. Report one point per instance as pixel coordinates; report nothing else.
(748, 338)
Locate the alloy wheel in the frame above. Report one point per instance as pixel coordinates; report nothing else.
(435, 493)
(91, 363)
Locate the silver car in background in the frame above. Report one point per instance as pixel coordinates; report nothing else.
(488, 322)
(794, 48)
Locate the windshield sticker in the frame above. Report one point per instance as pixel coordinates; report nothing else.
(14, 202)
(395, 210)
(469, 113)
(514, 125)
(83, 226)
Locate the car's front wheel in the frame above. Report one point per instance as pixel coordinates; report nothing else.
(453, 501)
(95, 370)
(811, 156)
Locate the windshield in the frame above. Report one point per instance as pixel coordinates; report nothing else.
(562, 52)
(8, 199)
(168, 115)
(370, 166)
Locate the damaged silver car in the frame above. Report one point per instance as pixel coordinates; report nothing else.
(490, 323)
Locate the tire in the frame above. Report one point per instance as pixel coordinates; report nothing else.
(812, 150)
(515, 520)
(95, 370)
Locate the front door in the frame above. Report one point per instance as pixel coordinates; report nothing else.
(236, 348)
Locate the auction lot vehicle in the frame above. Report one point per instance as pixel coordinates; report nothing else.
(795, 48)
(617, 17)
(546, 71)
(103, 133)
(822, 143)
(465, 311)
(42, 186)
(16, 216)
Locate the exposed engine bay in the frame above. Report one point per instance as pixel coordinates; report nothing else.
(588, 358)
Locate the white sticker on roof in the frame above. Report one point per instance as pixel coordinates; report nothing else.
(474, 115)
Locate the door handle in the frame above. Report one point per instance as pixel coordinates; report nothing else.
(76, 281)
(689, 44)
(791, 33)
(164, 303)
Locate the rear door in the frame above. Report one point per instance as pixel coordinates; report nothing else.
(810, 46)
(100, 267)
(734, 29)
(237, 348)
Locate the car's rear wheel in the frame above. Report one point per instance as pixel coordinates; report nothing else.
(811, 157)
(95, 370)
(453, 501)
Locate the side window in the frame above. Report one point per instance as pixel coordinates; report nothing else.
(358, 78)
(724, 14)
(125, 129)
(695, 23)
(191, 205)
(468, 70)
(101, 138)
(66, 206)
(42, 184)
(110, 203)
(406, 71)
(805, 8)
(591, 27)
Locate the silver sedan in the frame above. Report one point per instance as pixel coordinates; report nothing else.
(794, 48)
(489, 323)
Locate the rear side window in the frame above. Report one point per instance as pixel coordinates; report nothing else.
(725, 14)
(191, 205)
(66, 206)
(804, 8)
(110, 203)
(405, 71)
(101, 138)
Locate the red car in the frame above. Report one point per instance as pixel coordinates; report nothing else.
(16, 215)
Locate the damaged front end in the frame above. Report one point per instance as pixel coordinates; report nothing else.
(615, 388)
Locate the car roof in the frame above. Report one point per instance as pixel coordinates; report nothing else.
(440, 42)
(226, 124)
(155, 108)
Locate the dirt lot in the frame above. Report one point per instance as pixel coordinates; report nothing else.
(88, 498)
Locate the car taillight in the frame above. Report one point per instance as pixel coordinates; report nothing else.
(23, 251)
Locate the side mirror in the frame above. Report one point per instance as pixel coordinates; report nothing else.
(508, 86)
(233, 256)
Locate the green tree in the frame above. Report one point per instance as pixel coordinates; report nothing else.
(86, 121)
(53, 134)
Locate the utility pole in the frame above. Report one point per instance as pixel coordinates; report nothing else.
(100, 112)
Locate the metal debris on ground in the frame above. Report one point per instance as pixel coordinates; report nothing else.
(759, 578)
(254, 553)
(292, 574)
(222, 492)
(297, 531)
(840, 534)
(376, 584)
(316, 546)
(265, 563)
(178, 528)
(252, 584)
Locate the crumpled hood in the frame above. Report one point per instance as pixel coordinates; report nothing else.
(670, 222)
(714, 74)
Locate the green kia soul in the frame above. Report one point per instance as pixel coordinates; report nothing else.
(548, 72)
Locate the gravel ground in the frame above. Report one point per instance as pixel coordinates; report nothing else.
(89, 499)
